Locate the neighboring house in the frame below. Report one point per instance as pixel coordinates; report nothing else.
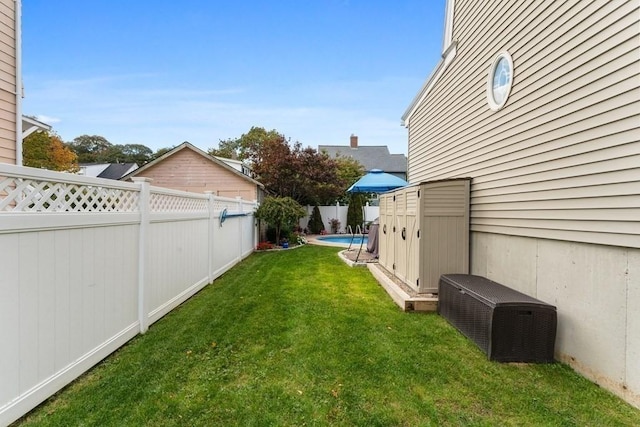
(188, 168)
(371, 157)
(31, 125)
(10, 83)
(539, 103)
(238, 165)
(107, 170)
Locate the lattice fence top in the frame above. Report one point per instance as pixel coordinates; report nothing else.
(38, 195)
(220, 204)
(170, 203)
(34, 190)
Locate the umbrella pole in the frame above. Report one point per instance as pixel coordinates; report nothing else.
(361, 242)
(364, 221)
(360, 249)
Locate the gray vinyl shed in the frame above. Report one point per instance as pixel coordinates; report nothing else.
(424, 232)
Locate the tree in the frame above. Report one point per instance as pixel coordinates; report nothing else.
(270, 157)
(318, 176)
(161, 152)
(63, 158)
(46, 150)
(228, 148)
(112, 154)
(291, 170)
(354, 212)
(288, 170)
(136, 153)
(315, 221)
(349, 171)
(96, 149)
(90, 148)
(248, 147)
(280, 212)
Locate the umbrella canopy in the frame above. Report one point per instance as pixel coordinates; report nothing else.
(377, 181)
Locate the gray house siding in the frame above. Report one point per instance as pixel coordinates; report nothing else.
(555, 196)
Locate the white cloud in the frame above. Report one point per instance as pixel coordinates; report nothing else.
(47, 119)
(141, 108)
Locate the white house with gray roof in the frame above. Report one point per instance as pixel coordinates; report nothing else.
(371, 157)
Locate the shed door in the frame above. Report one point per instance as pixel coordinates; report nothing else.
(400, 258)
(411, 239)
(385, 235)
(445, 231)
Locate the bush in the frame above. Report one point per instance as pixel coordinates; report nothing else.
(315, 221)
(262, 246)
(334, 223)
(271, 234)
(281, 213)
(354, 213)
(295, 238)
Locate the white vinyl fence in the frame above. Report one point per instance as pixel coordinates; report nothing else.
(86, 264)
(339, 212)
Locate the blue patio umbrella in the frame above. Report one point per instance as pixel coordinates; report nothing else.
(377, 181)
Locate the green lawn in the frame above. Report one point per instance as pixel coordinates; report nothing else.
(297, 338)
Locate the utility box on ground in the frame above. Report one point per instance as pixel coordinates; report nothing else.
(424, 232)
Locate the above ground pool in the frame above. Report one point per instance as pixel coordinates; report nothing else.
(343, 240)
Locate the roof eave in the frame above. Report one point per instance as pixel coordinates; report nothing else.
(31, 125)
(443, 64)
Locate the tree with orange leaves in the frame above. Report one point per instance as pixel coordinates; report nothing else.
(46, 150)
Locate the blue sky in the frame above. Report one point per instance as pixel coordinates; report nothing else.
(162, 72)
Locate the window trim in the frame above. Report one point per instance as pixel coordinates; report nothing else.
(495, 106)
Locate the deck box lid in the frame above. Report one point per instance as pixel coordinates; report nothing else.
(492, 292)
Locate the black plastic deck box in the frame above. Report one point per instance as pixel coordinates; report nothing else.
(507, 325)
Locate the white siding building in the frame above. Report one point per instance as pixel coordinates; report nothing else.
(539, 103)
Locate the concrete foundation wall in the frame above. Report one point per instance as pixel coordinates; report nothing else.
(596, 290)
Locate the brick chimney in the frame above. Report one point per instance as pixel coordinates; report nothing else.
(354, 141)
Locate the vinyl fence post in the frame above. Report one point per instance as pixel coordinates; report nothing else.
(212, 222)
(144, 207)
(364, 214)
(254, 222)
(240, 225)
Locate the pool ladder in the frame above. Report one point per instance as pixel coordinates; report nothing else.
(353, 236)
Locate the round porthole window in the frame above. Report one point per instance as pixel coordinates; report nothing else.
(499, 81)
